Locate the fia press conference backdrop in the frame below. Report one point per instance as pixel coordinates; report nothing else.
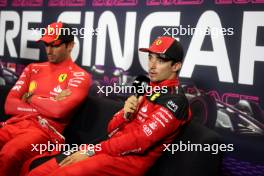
(223, 40)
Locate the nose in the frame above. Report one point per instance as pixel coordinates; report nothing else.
(152, 63)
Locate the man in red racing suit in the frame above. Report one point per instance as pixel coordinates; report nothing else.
(156, 118)
(41, 103)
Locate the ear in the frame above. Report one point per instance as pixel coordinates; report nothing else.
(70, 46)
(176, 66)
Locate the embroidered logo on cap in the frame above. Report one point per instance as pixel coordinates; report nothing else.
(52, 31)
(158, 42)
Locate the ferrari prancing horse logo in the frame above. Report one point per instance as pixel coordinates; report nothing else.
(158, 42)
(62, 77)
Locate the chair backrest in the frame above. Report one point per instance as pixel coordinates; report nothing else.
(89, 122)
(190, 163)
(3, 94)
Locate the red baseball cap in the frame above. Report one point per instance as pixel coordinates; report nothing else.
(167, 48)
(57, 33)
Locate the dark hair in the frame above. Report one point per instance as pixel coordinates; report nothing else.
(66, 35)
(174, 62)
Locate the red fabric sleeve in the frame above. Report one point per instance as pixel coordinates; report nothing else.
(48, 106)
(117, 120)
(14, 105)
(162, 124)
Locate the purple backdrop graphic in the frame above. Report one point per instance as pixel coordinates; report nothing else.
(223, 40)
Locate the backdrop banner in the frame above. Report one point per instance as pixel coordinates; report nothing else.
(223, 42)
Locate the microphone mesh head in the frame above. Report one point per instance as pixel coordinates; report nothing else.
(140, 83)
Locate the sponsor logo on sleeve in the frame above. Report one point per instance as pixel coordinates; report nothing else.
(144, 109)
(77, 79)
(172, 106)
(161, 115)
(35, 71)
(147, 130)
(153, 125)
(155, 96)
(32, 86)
(156, 118)
(167, 112)
(57, 89)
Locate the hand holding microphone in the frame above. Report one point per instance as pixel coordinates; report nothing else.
(133, 102)
(131, 106)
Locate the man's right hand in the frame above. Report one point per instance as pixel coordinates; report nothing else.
(131, 105)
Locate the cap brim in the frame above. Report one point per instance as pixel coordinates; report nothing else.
(46, 39)
(148, 50)
(144, 49)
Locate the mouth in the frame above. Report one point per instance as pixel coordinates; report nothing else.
(152, 73)
(50, 56)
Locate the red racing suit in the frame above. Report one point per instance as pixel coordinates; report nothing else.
(45, 117)
(135, 146)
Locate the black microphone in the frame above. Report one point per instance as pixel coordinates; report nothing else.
(140, 83)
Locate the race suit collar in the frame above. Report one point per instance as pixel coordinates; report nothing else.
(62, 64)
(168, 83)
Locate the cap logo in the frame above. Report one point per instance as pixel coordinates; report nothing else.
(158, 42)
(52, 31)
(57, 36)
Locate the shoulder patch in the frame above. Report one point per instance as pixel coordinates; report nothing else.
(172, 106)
(177, 104)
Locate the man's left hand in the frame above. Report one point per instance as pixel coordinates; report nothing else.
(27, 97)
(63, 94)
(76, 157)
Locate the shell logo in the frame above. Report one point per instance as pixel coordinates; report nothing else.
(158, 42)
(32, 86)
(62, 77)
(155, 96)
